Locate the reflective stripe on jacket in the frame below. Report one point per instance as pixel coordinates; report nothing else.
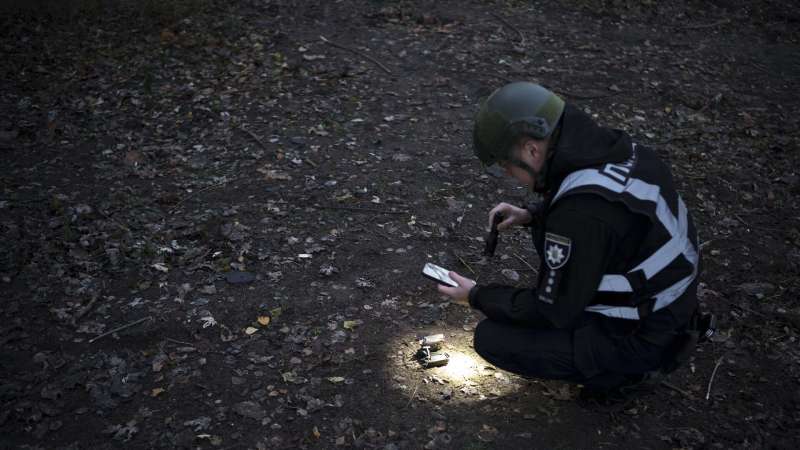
(669, 257)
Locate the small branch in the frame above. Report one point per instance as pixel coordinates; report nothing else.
(742, 220)
(382, 234)
(485, 74)
(175, 341)
(755, 227)
(508, 24)
(364, 210)
(234, 125)
(416, 386)
(123, 327)
(253, 136)
(679, 138)
(207, 188)
(675, 388)
(705, 244)
(363, 55)
(708, 392)
(467, 266)
(85, 309)
(589, 97)
(707, 25)
(526, 263)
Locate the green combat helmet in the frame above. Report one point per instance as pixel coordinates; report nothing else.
(515, 110)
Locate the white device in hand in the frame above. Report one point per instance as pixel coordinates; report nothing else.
(438, 274)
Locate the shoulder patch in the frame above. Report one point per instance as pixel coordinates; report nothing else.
(557, 249)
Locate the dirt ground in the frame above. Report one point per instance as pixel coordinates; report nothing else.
(249, 189)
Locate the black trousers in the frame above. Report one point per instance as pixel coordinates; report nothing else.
(600, 353)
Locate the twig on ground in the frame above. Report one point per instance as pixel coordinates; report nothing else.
(485, 74)
(711, 381)
(416, 386)
(467, 266)
(508, 24)
(742, 220)
(590, 97)
(238, 127)
(352, 50)
(755, 227)
(382, 234)
(705, 25)
(745, 308)
(736, 304)
(85, 309)
(705, 244)
(207, 188)
(253, 136)
(123, 327)
(364, 210)
(175, 341)
(526, 263)
(675, 388)
(692, 135)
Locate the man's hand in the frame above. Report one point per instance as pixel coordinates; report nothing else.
(460, 293)
(512, 216)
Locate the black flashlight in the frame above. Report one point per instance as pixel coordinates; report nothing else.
(491, 238)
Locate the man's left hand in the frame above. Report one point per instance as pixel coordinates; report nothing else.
(460, 293)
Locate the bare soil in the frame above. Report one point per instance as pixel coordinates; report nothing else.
(252, 187)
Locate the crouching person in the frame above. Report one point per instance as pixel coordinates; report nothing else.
(616, 293)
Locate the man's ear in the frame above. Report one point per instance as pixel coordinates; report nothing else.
(533, 147)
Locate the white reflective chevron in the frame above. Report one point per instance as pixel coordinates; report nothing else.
(619, 312)
(678, 244)
(675, 246)
(614, 283)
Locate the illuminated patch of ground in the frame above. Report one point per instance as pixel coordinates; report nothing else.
(466, 377)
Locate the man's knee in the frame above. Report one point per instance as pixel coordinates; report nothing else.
(525, 351)
(486, 340)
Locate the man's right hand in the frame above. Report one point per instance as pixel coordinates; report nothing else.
(513, 216)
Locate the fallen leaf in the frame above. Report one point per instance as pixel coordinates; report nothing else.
(335, 379)
(263, 320)
(278, 175)
(167, 36)
(512, 275)
(315, 432)
(134, 158)
(250, 330)
(159, 361)
(225, 334)
(156, 392)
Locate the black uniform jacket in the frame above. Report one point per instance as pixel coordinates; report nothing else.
(604, 235)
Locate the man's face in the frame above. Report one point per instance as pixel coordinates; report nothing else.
(528, 152)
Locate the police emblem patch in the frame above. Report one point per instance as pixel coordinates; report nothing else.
(556, 250)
